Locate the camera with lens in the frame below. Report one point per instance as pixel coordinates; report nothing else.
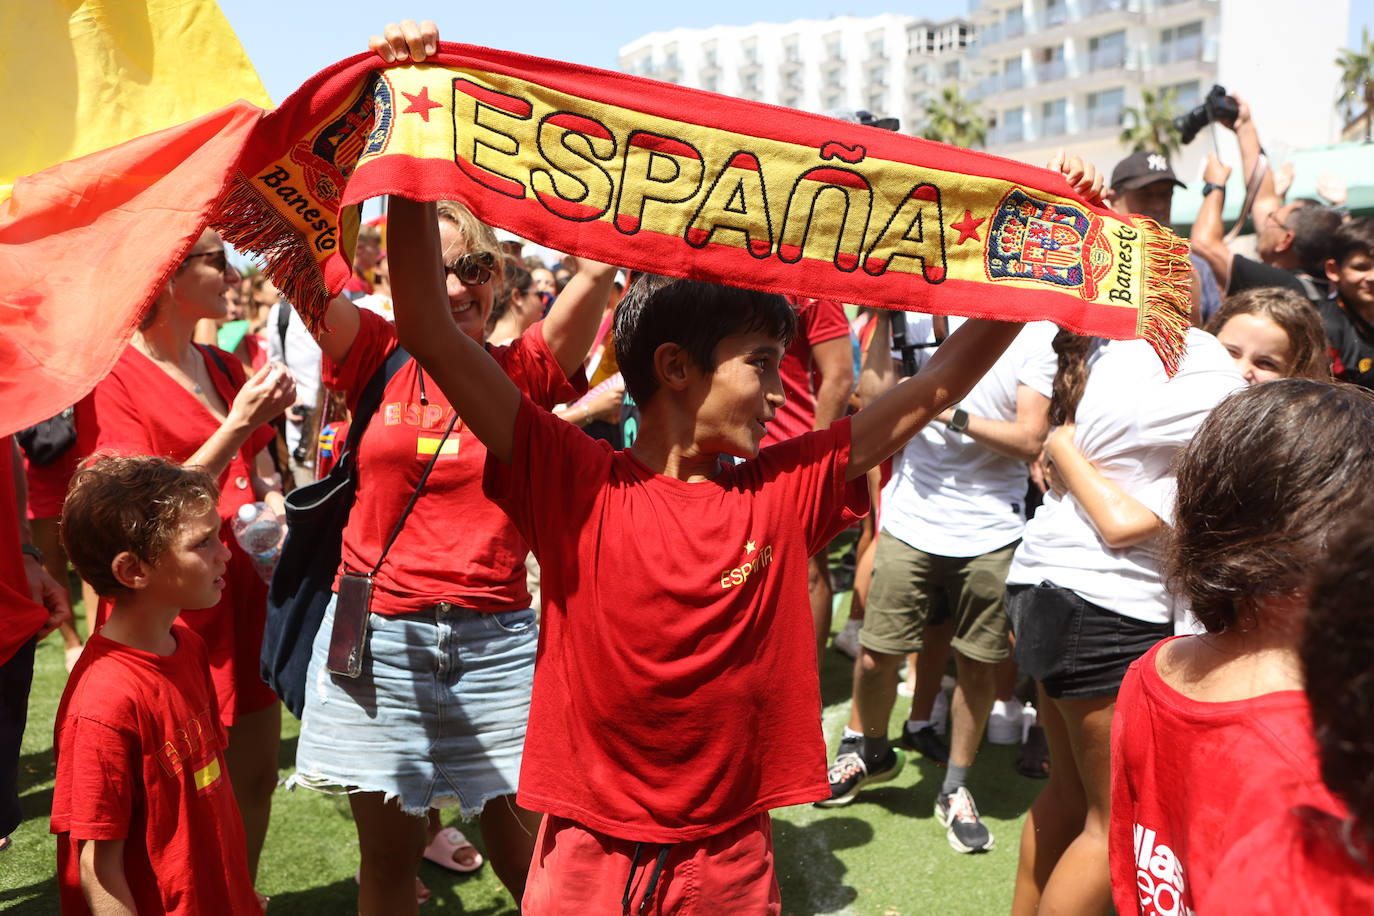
(1217, 107)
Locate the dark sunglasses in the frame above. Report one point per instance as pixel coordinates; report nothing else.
(220, 258)
(474, 268)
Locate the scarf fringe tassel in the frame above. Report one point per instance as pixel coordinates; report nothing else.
(1168, 310)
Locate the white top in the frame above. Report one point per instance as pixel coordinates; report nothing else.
(1132, 421)
(949, 495)
(302, 360)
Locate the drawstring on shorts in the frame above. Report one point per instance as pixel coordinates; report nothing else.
(653, 878)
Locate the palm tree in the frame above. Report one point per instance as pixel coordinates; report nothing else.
(1357, 81)
(951, 118)
(1151, 126)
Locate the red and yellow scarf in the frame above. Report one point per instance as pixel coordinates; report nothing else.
(676, 181)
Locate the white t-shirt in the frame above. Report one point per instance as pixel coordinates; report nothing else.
(949, 495)
(1132, 421)
(302, 360)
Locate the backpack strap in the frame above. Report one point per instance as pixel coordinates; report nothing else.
(370, 400)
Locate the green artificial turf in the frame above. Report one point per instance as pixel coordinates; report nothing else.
(883, 855)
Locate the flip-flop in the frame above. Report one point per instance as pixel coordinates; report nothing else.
(422, 893)
(447, 842)
(1034, 760)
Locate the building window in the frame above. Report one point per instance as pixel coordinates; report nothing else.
(749, 81)
(1012, 129)
(1012, 76)
(1050, 64)
(833, 101)
(834, 48)
(834, 78)
(711, 83)
(1054, 121)
(877, 47)
(1104, 108)
(1056, 13)
(791, 49)
(1107, 52)
(1186, 95)
(1179, 43)
(877, 75)
(1015, 24)
(711, 57)
(877, 102)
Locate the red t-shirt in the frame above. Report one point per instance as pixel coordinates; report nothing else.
(20, 617)
(1189, 778)
(456, 545)
(676, 690)
(140, 410)
(818, 320)
(1297, 862)
(140, 757)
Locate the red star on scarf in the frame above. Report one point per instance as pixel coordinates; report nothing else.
(420, 103)
(968, 227)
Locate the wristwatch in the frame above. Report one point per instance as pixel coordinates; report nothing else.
(32, 551)
(958, 421)
(1209, 187)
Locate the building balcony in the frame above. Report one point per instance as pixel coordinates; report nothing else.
(1054, 126)
(1103, 117)
(1096, 7)
(1006, 133)
(1055, 15)
(1106, 59)
(1185, 49)
(1012, 79)
(1051, 71)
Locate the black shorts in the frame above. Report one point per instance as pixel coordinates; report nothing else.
(16, 676)
(1074, 648)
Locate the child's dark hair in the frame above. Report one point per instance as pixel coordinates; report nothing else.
(1071, 377)
(117, 504)
(515, 280)
(1294, 315)
(1338, 643)
(1352, 238)
(1258, 488)
(695, 315)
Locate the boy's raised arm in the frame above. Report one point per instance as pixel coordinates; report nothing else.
(479, 389)
(570, 329)
(885, 425)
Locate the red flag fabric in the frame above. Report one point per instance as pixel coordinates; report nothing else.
(86, 244)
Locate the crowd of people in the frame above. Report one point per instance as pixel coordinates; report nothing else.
(637, 482)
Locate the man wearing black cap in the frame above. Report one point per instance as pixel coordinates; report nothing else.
(1144, 183)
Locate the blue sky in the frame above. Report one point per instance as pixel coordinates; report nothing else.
(290, 41)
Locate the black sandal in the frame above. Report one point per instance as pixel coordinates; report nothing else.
(1034, 760)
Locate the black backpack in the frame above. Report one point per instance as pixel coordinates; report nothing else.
(304, 578)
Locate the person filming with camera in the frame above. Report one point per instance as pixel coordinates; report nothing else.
(1292, 237)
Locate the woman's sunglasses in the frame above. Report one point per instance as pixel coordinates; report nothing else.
(219, 260)
(474, 268)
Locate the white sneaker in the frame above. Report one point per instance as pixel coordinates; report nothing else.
(1004, 722)
(847, 640)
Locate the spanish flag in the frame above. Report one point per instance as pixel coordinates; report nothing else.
(132, 115)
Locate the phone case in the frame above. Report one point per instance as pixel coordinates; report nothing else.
(348, 639)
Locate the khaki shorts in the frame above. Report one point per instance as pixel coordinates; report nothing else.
(911, 588)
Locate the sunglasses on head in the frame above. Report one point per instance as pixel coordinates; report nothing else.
(219, 260)
(472, 269)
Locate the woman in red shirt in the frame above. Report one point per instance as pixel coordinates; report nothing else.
(192, 404)
(437, 716)
(1212, 733)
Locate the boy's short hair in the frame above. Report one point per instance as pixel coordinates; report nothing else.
(695, 315)
(1352, 238)
(1297, 318)
(1338, 643)
(1259, 486)
(137, 504)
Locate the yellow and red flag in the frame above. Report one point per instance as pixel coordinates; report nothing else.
(676, 181)
(110, 171)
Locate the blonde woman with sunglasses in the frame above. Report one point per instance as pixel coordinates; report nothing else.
(437, 716)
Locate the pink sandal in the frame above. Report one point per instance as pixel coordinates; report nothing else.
(441, 851)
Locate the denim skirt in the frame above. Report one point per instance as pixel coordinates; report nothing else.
(437, 717)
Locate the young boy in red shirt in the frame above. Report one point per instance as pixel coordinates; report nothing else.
(145, 816)
(676, 693)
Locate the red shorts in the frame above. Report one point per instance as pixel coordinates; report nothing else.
(577, 871)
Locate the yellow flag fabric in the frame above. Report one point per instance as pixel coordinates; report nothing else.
(86, 75)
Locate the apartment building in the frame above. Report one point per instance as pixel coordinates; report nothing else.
(1060, 73)
(888, 64)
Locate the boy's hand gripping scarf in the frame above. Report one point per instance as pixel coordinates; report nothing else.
(671, 180)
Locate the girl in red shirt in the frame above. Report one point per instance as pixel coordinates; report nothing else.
(1212, 732)
(192, 404)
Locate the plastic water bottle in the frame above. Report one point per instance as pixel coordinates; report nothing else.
(260, 533)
